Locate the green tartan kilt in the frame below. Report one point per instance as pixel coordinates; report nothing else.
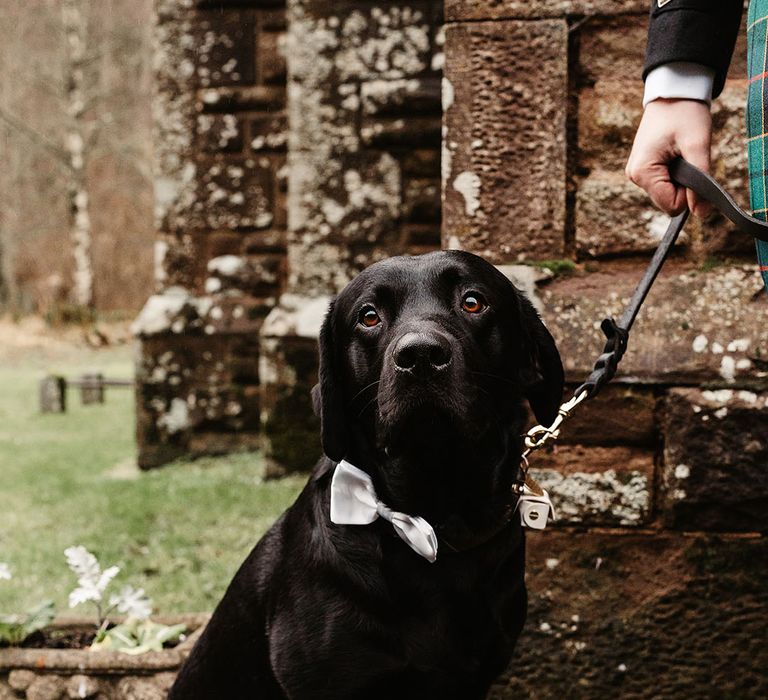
(757, 128)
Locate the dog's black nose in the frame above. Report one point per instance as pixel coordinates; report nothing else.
(421, 353)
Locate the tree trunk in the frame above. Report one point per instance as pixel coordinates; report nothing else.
(75, 28)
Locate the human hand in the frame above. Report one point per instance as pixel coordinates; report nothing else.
(671, 128)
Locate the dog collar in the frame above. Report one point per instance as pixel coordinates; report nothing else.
(354, 502)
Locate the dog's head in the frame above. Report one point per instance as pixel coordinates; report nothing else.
(431, 348)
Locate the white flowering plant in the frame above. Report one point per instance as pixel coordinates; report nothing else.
(92, 585)
(137, 634)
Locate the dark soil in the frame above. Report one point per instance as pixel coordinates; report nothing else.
(75, 638)
(59, 639)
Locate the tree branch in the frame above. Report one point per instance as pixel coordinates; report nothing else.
(37, 138)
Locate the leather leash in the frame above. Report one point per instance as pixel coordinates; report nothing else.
(617, 332)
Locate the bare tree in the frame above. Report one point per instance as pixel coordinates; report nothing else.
(90, 131)
(79, 133)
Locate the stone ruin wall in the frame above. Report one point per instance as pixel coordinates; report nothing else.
(660, 483)
(242, 233)
(647, 588)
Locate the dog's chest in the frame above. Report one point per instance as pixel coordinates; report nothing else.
(429, 638)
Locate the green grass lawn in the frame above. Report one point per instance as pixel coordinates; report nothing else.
(180, 531)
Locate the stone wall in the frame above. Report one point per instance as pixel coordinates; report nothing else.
(659, 482)
(221, 136)
(364, 181)
(254, 217)
(59, 673)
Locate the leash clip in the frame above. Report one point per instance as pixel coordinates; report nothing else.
(539, 435)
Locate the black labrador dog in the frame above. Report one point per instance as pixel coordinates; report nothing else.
(424, 365)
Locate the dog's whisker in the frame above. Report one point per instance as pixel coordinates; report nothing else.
(364, 389)
(363, 409)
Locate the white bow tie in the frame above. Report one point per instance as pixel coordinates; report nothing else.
(354, 502)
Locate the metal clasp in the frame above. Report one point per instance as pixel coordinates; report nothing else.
(538, 436)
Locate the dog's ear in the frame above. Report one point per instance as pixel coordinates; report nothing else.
(327, 397)
(543, 376)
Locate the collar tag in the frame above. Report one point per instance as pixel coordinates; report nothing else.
(535, 506)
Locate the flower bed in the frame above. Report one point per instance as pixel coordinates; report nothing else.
(56, 674)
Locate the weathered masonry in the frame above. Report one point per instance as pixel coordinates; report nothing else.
(648, 587)
(278, 182)
(257, 218)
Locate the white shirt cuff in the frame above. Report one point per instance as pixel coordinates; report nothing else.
(679, 80)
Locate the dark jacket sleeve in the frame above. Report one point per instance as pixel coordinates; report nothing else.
(696, 31)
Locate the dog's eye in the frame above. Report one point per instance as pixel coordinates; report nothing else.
(473, 303)
(368, 317)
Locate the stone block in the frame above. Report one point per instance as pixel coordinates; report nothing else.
(20, 679)
(288, 366)
(81, 686)
(421, 238)
(358, 199)
(597, 485)
(234, 193)
(420, 162)
(217, 443)
(257, 275)
(385, 42)
(638, 616)
(180, 259)
(139, 689)
(401, 132)
(697, 325)
(46, 688)
(334, 48)
(715, 457)
(421, 202)
(220, 133)
(614, 216)
(609, 114)
(257, 98)
(504, 148)
(319, 269)
(263, 241)
(197, 388)
(620, 415)
(225, 48)
(269, 133)
(272, 16)
(271, 58)
(177, 312)
(399, 97)
(612, 48)
(469, 10)
(610, 111)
